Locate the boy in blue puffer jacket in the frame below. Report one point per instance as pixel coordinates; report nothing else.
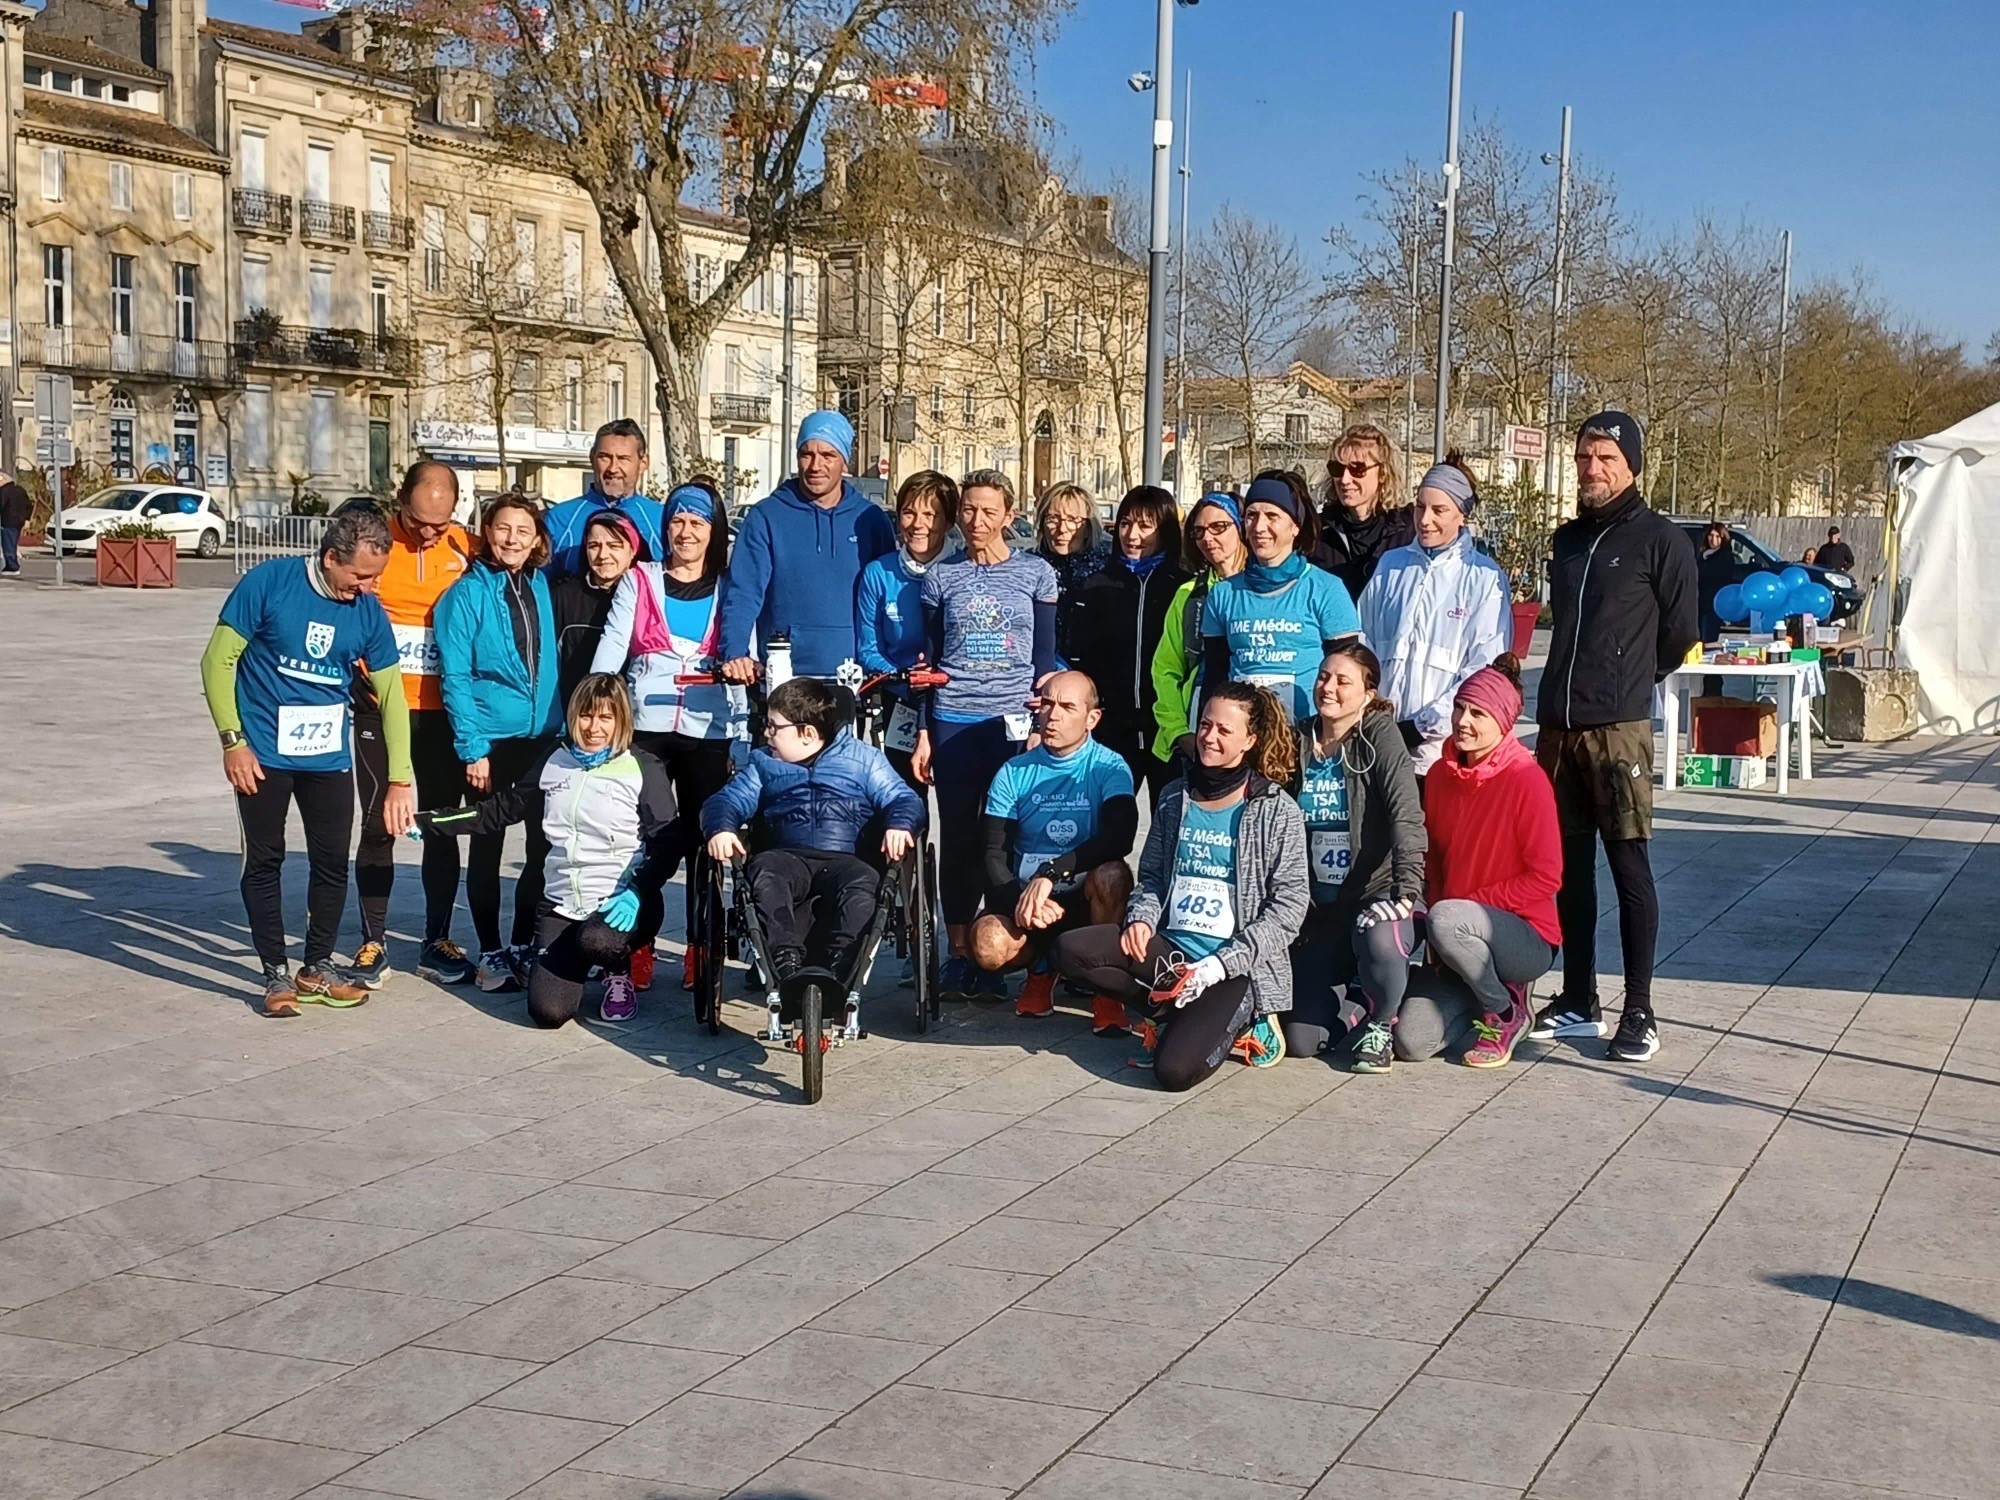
(815, 792)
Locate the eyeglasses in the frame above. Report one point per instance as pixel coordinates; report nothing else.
(1353, 471)
(772, 728)
(1214, 528)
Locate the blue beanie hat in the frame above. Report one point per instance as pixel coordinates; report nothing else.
(831, 428)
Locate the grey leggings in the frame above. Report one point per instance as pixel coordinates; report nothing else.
(1378, 959)
(1488, 948)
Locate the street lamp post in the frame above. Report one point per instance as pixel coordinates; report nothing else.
(1180, 293)
(1450, 206)
(1156, 258)
(1556, 308)
(1784, 329)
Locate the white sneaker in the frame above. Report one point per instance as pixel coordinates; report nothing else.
(496, 973)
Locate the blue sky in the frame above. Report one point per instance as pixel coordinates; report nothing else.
(1871, 131)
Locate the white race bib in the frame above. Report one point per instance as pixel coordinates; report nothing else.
(1280, 683)
(306, 732)
(902, 731)
(1202, 904)
(1332, 854)
(417, 651)
(1019, 726)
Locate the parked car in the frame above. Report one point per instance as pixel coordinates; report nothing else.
(190, 516)
(1747, 555)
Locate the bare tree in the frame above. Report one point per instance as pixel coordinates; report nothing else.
(1108, 292)
(1250, 295)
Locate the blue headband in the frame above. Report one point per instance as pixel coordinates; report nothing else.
(1274, 492)
(1450, 481)
(692, 500)
(1224, 503)
(831, 428)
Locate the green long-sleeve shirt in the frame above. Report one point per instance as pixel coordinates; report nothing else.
(218, 686)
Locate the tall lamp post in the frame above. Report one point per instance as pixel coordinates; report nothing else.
(1556, 293)
(1784, 331)
(1180, 292)
(1450, 206)
(1162, 85)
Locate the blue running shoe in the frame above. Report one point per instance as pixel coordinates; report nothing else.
(955, 979)
(1263, 1045)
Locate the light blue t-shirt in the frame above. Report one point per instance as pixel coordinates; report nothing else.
(988, 611)
(292, 679)
(1279, 637)
(1323, 800)
(1201, 900)
(889, 614)
(1056, 800)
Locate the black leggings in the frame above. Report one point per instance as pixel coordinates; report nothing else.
(506, 762)
(326, 808)
(440, 786)
(964, 760)
(698, 769)
(1134, 744)
(1194, 1041)
(1638, 917)
(1332, 956)
(815, 902)
(571, 949)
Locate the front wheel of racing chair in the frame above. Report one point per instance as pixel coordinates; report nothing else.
(710, 939)
(918, 895)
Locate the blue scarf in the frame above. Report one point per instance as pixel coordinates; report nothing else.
(1261, 578)
(590, 760)
(1139, 567)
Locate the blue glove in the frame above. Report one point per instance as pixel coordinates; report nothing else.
(620, 909)
(414, 832)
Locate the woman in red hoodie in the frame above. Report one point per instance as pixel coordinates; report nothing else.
(1495, 861)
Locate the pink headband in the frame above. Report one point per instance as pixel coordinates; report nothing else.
(622, 525)
(1492, 690)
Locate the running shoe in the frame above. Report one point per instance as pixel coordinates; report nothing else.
(1262, 1046)
(1038, 996)
(691, 966)
(906, 979)
(642, 969)
(370, 966)
(1178, 986)
(955, 978)
(446, 962)
(281, 996)
(1494, 1037)
(1561, 1018)
(620, 1003)
(1373, 1051)
(496, 972)
(522, 958)
(1108, 1017)
(323, 984)
(987, 986)
(1638, 1037)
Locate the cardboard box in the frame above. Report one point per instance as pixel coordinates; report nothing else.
(1739, 772)
(1733, 727)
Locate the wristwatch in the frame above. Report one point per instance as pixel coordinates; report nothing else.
(231, 738)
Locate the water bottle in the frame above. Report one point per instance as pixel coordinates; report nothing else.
(777, 662)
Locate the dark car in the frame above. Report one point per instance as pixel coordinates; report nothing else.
(1748, 555)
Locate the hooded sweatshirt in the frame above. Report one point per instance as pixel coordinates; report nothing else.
(794, 571)
(1493, 835)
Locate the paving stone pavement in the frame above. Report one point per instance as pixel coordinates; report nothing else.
(418, 1249)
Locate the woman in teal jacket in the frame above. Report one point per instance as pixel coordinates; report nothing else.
(496, 641)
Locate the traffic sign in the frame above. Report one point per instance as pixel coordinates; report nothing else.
(53, 450)
(1527, 442)
(52, 401)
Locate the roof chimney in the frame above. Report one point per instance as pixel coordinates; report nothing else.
(177, 28)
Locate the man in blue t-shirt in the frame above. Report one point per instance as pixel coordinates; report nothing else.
(1060, 821)
(617, 469)
(277, 675)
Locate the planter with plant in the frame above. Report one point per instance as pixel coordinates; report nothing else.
(136, 555)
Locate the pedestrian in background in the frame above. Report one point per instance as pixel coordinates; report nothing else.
(15, 508)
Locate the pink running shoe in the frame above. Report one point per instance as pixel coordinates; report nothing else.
(1496, 1035)
(620, 1003)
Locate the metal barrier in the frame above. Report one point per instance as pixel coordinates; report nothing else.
(261, 538)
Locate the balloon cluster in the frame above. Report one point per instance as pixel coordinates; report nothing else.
(1791, 592)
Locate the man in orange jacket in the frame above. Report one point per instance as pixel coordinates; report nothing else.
(429, 553)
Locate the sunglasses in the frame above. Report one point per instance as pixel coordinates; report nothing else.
(1214, 528)
(1353, 471)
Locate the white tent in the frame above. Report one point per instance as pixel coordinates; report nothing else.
(1948, 522)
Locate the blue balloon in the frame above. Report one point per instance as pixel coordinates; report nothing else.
(1794, 578)
(1762, 593)
(1815, 599)
(189, 505)
(1729, 605)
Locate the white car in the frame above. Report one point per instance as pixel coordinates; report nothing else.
(189, 516)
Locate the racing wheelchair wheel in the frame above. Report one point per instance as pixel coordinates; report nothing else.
(710, 938)
(812, 1040)
(920, 919)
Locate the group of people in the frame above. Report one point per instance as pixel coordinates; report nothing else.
(1318, 701)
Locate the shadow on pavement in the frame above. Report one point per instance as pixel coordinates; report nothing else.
(1891, 1302)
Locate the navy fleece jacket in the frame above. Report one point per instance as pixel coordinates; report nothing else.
(794, 570)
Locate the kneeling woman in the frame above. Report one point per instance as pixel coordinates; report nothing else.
(1206, 946)
(607, 811)
(1495, 861)
(1365, 839)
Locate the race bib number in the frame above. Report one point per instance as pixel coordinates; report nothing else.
(1278, 682)
(306, 732)
(1019, 726)
(1332, 854)
(417, 651)
(1202, 904)
(901, 733)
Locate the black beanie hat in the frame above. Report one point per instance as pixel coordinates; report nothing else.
(1622, 430)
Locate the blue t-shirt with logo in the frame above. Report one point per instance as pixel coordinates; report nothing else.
(889, 614)
(989, 632)
(1323, 800)
(1279, 638)
(1055, 800)
(292, 680)
(1201, 911)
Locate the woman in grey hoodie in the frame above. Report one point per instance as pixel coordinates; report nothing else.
(1365, 839)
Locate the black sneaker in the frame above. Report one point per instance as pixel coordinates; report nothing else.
(1373, 1052)
(1638, 1037)
(370, 966)
(1562, 1018)
(446, 962)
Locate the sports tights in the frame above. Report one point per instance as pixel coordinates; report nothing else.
(1193, 1041)
(440, 786)
(1339, 956)
(571, 949)
(326, 808)
(1638, 917)
(698, 769)
(506, 762)
(1488, 948)
(964, 760)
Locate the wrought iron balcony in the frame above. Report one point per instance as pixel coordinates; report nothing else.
(739, 410)
(134, 356)
(260, 341)
(391, 232)
(329, 222)
(259, 212)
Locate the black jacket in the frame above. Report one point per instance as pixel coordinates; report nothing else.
(1836, 557)
(1350, 550)
(1386, 816)
(580, 609)
(15, 506)
(1623, 590)
(1116, 619)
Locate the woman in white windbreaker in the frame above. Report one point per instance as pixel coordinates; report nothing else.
(1436, 611)
(664, 623)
